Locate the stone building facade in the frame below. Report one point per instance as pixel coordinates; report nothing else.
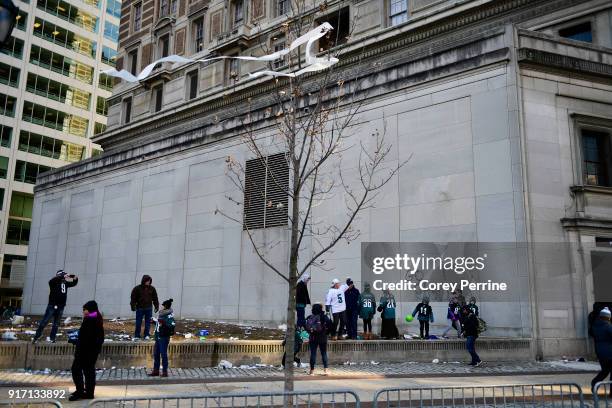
(504, 108)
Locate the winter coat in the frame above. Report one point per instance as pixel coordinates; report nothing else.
(58, 290)
(387, 307)
(367, 305)
(424, 311)
(454, 311)
(470, 326)
(162, 317)
(144, 296)
(602, 334)
(91, 338)
(321, 337)
(301, 294)
(352, 299)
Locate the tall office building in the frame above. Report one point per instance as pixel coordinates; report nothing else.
(52, 101)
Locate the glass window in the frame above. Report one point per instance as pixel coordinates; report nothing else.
(64, 38)
(105, 82)
(238, 11)
(61, 65)
(596, 157)
(137, 17)
(111, 31)
(282, 7)
(198, 35)
(113, 7)
(232, 71)
(51, 118)
(6, 132)
(157, 96)
(1, 199)
(22, 20)
(578, 32)
(127, 110)
(21, 205)
(133, 61)
(7, 105)
(13, 47)
(9, 75)
(54, 90)
(27, 172)
(192, 84)
(18, 232)
(101, 106)
(109, 56)
(398, 11)
(70, 13)
(99, 128)
(3, 166)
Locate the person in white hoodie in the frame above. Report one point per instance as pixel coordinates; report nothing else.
(336, 304)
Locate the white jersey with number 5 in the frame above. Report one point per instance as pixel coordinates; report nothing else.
(335, 299)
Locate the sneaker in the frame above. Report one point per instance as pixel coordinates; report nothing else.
(154, 373)
(325, 371)
(164, 374)
(311, 372)
(478, 364)
(147, 338)
(75, 396)
(136, 339)
(34, 340)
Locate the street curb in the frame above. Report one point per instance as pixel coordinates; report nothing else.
(170, 380)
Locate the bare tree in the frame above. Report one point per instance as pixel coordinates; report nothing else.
(313, 121)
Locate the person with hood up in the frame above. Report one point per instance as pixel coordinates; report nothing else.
(602, 334)
(317, 325)
(143, 300)
(302, 299)
(387, 313)
(425, 316)
(58, 292)
(164, 329)
(352, 309)
(367, 310)
(88, 345)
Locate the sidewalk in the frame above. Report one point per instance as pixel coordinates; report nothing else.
(138, 376)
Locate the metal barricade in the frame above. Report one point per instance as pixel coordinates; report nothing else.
(605, 399)
(25, 403)
(508, 396)
(295, 399)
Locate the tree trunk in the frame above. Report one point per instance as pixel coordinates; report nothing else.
(290, 335)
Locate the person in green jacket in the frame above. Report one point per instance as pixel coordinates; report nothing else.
(367, 310)
(387, 311)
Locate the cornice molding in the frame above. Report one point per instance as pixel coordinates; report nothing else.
(552, 61)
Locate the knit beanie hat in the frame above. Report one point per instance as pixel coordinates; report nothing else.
(91, 306)
(605, 312)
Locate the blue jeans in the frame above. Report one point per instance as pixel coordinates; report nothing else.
(140, 313)
(161, 349)
(49, 313)
(313, 353)
(470, 344)
(301, 316)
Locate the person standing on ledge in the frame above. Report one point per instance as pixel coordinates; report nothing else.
(164, 329)
(602, 334)
(367, 310)
(352, 309)
(143, 299)
(58, 292)
(336, 304)
(387, 306)
(302, 299)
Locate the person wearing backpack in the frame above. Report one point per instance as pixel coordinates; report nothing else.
(470, 332)
(367, 310)
(425, 316)
(316, 325)
(453, 315)
(164, 329)
(387, 313)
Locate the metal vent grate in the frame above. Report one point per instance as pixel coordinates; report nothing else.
(265, 193)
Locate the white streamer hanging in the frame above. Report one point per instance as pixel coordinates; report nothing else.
(312, 63)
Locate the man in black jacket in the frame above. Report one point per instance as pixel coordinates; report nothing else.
(88, 347)
(352, 309)
(470, 332)
(58, 288)
(143, 299)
